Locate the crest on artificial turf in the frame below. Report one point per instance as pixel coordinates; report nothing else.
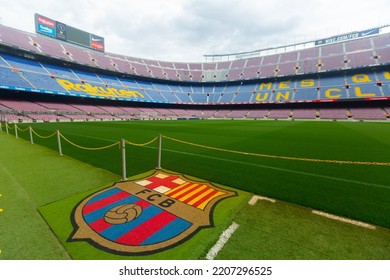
(146, 215)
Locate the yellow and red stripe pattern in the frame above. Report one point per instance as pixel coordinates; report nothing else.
(195, 194)
(192, 193)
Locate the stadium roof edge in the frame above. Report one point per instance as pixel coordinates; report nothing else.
(279, 49)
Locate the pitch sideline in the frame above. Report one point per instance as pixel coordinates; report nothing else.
(223, 239)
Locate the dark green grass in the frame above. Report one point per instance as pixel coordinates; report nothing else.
(357, 191)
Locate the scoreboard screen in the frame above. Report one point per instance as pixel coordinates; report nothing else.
(77, 36)
(61, 31)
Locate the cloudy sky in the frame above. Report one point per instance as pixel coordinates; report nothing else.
(185, 30)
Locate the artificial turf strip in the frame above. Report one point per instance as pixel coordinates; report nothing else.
(58, 214)
(31, 176)
(285, 231)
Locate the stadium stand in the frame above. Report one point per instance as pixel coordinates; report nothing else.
(332, 56)
(334, 113)
(60, 107)
(23, 106)
(258, 113)
(368, 113)
(238, 114)
(305, 113)
(106, 85)
(279, 114)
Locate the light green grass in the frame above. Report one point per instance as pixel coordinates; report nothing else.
(32, 176)
(285, 231)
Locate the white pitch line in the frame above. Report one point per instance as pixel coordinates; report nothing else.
(342, 219)
(223, 239)
(255, 198)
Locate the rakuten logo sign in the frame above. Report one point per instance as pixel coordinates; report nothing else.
(46, 21)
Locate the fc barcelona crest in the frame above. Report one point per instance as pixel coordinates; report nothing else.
(146, 215)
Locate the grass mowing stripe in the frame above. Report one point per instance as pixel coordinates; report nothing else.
(278, 169)
(252, 164)
(18, 187)
(92, 137)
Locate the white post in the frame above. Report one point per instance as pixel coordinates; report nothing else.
(59, 144)
(1, 127)
(31, 136)
(6, 127)
(16, 131)
(159, 152)
(123, 147)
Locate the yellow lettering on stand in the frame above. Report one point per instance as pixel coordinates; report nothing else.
(328, 93)
(359, 93)
(284, 84)
(259, 98)
(361, 78)
(267, 85)
(280, 95)
(99, 91)
(307, 83)
(66, 84)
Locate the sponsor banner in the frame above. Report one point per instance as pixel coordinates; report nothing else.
(86, 90)
(99, 90)
(97, 46)
(61, 31)
(45, 91)
(45, 26)
(349, 36)
(97, 42)
(46, 30)
(46, 21)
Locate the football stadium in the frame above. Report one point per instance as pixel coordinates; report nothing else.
(277, 154)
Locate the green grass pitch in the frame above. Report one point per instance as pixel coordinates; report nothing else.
(359, 192)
